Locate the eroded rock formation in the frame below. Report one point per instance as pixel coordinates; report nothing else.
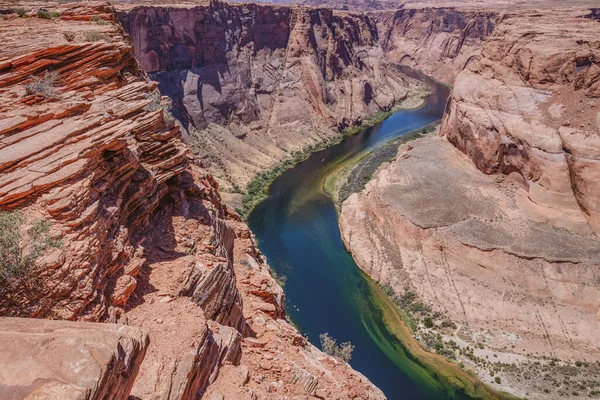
(46, 359)
(499, 233)
(273, 79)
(146, 240)
(439, 41)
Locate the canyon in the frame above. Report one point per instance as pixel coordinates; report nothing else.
(188, 306)
(156, 116)
(493, 222)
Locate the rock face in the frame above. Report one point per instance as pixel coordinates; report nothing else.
(146, 239)
(45, 359)
(499, 232)
(528, 108)
(278, 78)
(439, 41)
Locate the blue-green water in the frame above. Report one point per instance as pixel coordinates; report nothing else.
(297, 230)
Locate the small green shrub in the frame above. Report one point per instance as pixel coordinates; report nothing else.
(45, 86)
(43, 14)
(19, 251)
(498, 380)
(95, 36)
(21, 12)
(428, 321)
(330, 346)
(97, 19)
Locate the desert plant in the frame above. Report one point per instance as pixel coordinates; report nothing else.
(97, 19)
(158, 103)
(20, 249)
(95, 36)
(44, 86)
(69, 36)
(342, 351)
(21, 12)
(428, 322)
(43, 14)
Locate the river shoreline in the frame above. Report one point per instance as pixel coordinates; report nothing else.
(256, 190)
(396, 318)
(297, 229)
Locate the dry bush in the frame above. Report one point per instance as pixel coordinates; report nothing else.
(19, 251)
(45, 86)
(330, 346)
(95, 36)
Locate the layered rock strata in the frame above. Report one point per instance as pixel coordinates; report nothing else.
(253, 83)
(495, 223)
(441, 42)
(146, 240)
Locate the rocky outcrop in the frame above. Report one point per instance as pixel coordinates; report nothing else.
(45, 359)
(441, 42)
(528, 108)
(494, 225)
(146, 240)
(253, 83)
(432, 225)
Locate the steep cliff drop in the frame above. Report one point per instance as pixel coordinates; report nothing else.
(488, 234)
(86, 145)
(254, 83)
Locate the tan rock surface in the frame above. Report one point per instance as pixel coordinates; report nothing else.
(528, 107)
(438, 41)
(431, 223)
(44, 359)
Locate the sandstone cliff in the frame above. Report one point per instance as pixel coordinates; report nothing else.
(439, 41)
(146, 239)
(253, 83)
(499, 233)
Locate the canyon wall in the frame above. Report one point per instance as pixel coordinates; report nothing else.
(252, 83)
(439, 41)
(145, 239)
(528, 108)
(494, 224)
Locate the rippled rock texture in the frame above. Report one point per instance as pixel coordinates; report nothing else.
(146, 240)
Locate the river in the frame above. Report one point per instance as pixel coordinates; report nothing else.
(297, 229)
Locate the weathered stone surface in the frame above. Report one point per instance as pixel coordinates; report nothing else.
(146, 239)
(433, 224)
(528, 106)
(439, 41)
(94, 159)
(45, 359)
(278, 77)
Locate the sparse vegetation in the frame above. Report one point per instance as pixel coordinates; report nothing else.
(160, 103)
(20, 249)
(342, 351)
(95, 36)
(97, 19)
(369, 164)
(428, 322)
(69, 36)
(21, 12)
(43, 14)
(44, 86)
